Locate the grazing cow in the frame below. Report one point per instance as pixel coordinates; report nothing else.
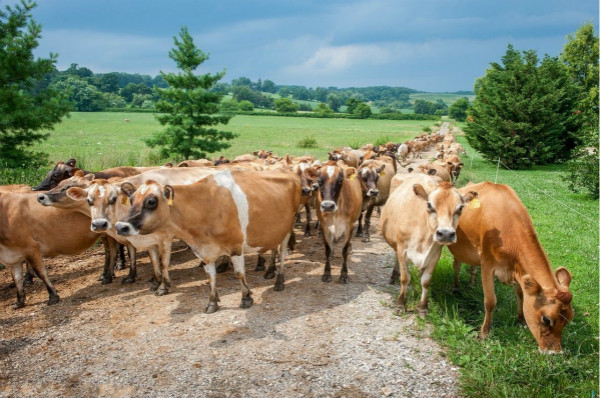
(419, 218)
(196, 163)
(375, 177)
(29, 232)
(339, 204)
(404, 150)
(221, 160)
(63, 170)
(223, 214)
(498, 236)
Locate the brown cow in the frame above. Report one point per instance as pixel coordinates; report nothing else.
(223, 214)
(339, 204)
(419, 218)
(29, 232)
(499, 236)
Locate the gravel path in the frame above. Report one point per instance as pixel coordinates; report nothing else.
(314, 339)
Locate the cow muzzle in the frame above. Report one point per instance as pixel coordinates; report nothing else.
(328, 206)
(373, 192)
(306, 191)
(100, 225)
(44, 199)
(125, 229)
(445, 236)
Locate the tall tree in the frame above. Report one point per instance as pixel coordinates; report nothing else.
(523, 112)
(188, 106)
(27, 108)
(458, 109)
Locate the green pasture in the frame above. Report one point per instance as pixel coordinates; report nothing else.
(448, 98)
(507, 364)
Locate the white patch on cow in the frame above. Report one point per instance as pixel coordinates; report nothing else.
(303, 166)
(144, 189)
(225, 179)
(365, 171)
(330, 171)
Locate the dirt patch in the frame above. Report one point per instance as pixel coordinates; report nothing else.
(313, 339)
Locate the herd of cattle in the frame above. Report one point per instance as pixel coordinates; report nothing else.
(225, 209)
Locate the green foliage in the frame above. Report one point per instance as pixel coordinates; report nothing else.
(323, 110)
(307, 142)
(523, 112)
(187, 106)
(27, 104)
(383, 140)
(334, 101)
(582, 172)
(362, 111)
(285, 105)
(246, 105)
(430, 108)
(458, 110)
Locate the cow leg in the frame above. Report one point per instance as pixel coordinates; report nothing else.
(489, 297)
(155, 260)
(307, 226)
(240, 272)
(213, 301)
(404, 278)
(17, 274)
(222, 264)
(456, 265)
(291, 241)
(131, 251)
(110, 257)
(28, 280)
(519, 293)
(359, 231)
(347, 248)
(367, 234)
(279, 281)
(328, 253)
(425, 282)
(473, 272)
(395, 271)
(260, 263)
(120, 262)
(270, 274)
(165, 260)
(39, 269)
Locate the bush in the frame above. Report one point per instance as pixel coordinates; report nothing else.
(246, 105)
(285, 105)
(583, 173)
(383, 140)
(307, 142)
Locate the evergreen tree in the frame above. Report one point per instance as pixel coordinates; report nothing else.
(523, 112)
(188, 106)
(27, 104)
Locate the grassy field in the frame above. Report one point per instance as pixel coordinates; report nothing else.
(507, 364)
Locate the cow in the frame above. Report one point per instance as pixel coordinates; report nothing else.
(419, 218)
(223, 214)
(431, 169)
(375, 177)
(351, 157)
(498, 236)
(195, 163)
(339, 203)
(454, 166)
(29, 232)
(62, 171)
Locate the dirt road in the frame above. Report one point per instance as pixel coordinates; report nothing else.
(313, 339)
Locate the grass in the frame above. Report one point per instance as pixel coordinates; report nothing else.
(508, 364)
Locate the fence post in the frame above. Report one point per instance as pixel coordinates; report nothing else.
(497, 168)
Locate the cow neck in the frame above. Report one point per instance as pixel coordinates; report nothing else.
(532, 259)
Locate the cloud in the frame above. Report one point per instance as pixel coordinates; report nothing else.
(335, 59)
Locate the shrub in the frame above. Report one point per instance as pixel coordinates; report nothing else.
(307, 142)
(582, 173)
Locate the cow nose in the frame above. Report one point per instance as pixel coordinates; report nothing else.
(41, 198)
(327, 206)
(123, 229)
(306, 191)
(315, 186)
(99, 225)
(373, 192)
(445, 235)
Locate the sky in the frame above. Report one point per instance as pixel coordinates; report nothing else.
(427, 45)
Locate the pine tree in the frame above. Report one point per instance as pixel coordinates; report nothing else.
(524, 111)
(27, 104)
(188, 106)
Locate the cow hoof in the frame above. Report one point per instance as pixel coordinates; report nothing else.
(246, 302)
(422, 312)
(211, 308)
(401, 310)
(279, 286)
(119, 265)
(359, 234)
(326, 278)
(366, 239)
(106, 280)
(344, 279)
(53, 300)
(129, 279)
(18, 305)
(154, 286)
(269, 274)
(28, 280)
(162, 291)
(259, 268)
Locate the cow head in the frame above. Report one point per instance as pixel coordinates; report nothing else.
(444, 207)
(331, 179)
(150, 207)
(547, 311)
(308, 177)
(57, 196)
(454, 165)
(368, 174)
(60, 172)
(102, 198)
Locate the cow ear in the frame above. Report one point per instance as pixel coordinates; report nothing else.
(470, 196)
(255, 153)
(380, 170)
(128, 188)
(79, 173)
(88, 177)
(350, 173)
(563, 276)
(71, 162)
(311, 173)
(461, 164)
(420, 191)
(76, 193)
(169, 194)
(530, 286)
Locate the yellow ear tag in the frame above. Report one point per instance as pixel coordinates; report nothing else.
(124, 200)
(382, 173)
(170, 202)
(352, 177)
(474, 204)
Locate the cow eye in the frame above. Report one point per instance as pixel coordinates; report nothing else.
(90, 202)
(151, 203)
(430, 208)
(459, 210)
(546, 320)
(112, 200)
